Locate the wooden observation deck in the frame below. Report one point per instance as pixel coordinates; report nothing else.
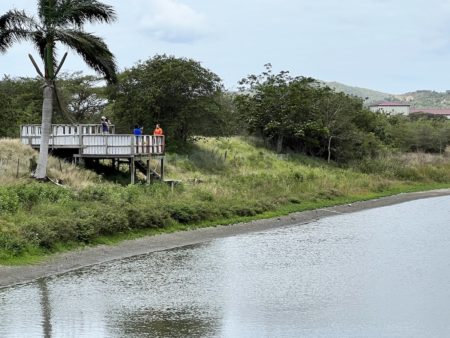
(86, 141)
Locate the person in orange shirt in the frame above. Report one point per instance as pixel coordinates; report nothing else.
(158, 131)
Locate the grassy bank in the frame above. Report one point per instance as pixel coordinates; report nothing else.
(224, 181)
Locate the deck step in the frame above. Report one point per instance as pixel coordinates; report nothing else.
(142, 167)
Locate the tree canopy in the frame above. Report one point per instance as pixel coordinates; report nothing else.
(179, 93)
(301, 114)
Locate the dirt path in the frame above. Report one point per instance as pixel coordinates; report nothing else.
(82, 258)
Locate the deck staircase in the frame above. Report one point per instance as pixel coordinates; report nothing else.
(142, 167)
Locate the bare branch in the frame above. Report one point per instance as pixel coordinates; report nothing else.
(61, 64)
(35, 66)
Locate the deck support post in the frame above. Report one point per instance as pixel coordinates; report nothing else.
(149, 176)
(132, 170)
(162, 169)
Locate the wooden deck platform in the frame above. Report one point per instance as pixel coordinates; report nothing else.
(87, 141)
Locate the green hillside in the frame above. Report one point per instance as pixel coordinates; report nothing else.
(368, 95)
(418, 99)
(426, 99)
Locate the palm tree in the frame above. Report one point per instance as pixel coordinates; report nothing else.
(59, 21)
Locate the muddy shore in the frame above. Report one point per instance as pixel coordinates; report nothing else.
(11, 275)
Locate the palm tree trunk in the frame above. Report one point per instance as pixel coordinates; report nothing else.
(47, 110)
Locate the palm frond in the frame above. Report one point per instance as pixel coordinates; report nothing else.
(40, 43)
(92, 49)
(17, 19)
(78, 12)
(9, 37)
(46, 11)
(16, 26)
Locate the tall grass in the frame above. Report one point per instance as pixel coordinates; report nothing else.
(414, 167)
(17, 161)
(223, 179)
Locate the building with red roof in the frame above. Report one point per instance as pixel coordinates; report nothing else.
(432, 111)
(391, 107)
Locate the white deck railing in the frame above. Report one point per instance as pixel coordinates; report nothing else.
(65, 129)
(91, 142)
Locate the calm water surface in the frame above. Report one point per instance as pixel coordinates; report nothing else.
(378, 273)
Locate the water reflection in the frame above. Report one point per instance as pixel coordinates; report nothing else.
(154, 323)
(378, 273)
(46, 308)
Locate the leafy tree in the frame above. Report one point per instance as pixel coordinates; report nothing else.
(229, 122)
(301, 114)
(178, 93)
(428, 135)
(277, 106)
(337, 113)
(81, 97)
(59, 21)
(20, 103)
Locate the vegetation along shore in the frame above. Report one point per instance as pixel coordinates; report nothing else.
(225, 180)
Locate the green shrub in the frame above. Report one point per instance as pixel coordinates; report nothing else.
(408, 173)
(11, 242)
(141, 217)
(97, 193)
(40, 232)
(34, 193)
(437, 174)
(9, 201)
(183, 214)
(99, 219)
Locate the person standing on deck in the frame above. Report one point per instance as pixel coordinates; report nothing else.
(158, 140)
(158, 131)
(105, 125)
(137, 131)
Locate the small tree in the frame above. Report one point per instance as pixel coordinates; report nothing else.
(277, 106)
(336, 112)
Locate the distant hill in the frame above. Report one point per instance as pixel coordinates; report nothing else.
(371, 95)
(426, 99)
(417, 99)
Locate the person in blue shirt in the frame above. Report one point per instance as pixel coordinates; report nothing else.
(137, 131)
(105, 125)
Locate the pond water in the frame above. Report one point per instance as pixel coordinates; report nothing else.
(377, 273)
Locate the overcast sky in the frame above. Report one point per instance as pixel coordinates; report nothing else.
(393, 46)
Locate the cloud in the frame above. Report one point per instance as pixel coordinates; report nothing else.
(173, 21)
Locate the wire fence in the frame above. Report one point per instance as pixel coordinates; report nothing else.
(16, 167)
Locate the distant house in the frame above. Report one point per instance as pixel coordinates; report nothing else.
(391, 107)
(402, 108)
(432, 111)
